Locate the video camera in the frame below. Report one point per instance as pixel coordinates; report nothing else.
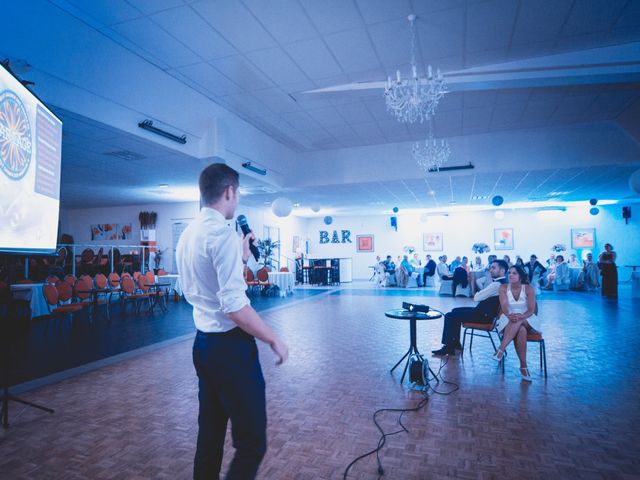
(413, 307)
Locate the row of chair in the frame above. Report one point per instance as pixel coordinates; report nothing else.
(260, 281)
(70, 295)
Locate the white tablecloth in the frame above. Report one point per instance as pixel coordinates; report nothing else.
(283, 280)
(174, 279)
(38, 303)
(574, 277)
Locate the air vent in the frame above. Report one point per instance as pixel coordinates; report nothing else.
(126, 155)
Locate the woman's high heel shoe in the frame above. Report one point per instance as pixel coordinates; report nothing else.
(498, 356)
(526, 376)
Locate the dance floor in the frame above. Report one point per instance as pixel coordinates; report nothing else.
(136, 418)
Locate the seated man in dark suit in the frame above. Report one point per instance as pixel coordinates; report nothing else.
(484, 312)
(389, 265)
(429, 269)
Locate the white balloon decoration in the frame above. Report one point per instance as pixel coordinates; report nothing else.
(315, 208)
(281, 207)
(499, 214)
(424, 218)
(634, 181)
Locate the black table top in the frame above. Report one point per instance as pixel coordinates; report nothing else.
(403, 314)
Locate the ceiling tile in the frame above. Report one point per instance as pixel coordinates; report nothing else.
(277, 65)
(314, 58)
(588, 16)
(152, 38)
(243, 72)
(375, 11)
(353, 50)
(183, 23)
(332, 15)
(235, 23)
(489, 25)
(284, 19)
(211, 79)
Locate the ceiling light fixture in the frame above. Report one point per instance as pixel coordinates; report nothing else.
(414, 98)
(431, 154)
(148, 125)
(163, 185)
(253, 168)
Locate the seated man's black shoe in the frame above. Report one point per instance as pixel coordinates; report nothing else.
(457, 346)
(444, 351)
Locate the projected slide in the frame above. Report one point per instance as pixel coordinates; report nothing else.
(30, 142)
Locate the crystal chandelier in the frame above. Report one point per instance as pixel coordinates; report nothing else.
(414, 98)
(432, 153)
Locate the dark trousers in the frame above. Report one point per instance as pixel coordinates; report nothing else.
(453, 323)
(231, 387)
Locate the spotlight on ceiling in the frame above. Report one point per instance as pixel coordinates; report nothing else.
(148, 125)
(253, 168)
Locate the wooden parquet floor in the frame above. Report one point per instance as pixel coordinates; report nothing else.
(137, 419)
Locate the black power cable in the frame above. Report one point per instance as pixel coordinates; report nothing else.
(421, 404)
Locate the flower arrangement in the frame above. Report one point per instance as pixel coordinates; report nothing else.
(409, 249)
(558, 247)
(158, 257)
(480, 248)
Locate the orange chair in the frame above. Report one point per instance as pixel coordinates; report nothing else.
(70, 279)
(100, 280)
(114, 285)
(488, 330)
(263, 280)
(284, 269)
(136, 275)
(250, 280)
(161, 273)
(151, 278)
(52, 279)
(129, 292)
(537, 338)
(52, 298)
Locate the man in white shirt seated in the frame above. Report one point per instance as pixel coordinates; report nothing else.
(443, 269)
(210, 257)
(484, 312)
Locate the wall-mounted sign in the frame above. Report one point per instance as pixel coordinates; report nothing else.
(335, 238)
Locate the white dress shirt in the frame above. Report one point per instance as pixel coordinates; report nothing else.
(491, 290)
(209, 260)
(443, 270)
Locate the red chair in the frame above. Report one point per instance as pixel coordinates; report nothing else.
(52, 298)
(284, 269)
(52, 279)
(129, 292)
(70, 279)
(263, 280)
(250, 280)
(161, 273)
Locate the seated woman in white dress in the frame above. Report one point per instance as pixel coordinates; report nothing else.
(518, 304)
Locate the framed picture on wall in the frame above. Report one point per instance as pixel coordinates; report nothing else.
(503, 238)
(295, 244)
(364, 243)
(104, 231)
(583, 238)
(432, 242)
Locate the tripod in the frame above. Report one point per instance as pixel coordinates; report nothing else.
(8, 331)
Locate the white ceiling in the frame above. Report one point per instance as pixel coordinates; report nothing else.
(257, 59)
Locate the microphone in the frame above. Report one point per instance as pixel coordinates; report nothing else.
(244, 226)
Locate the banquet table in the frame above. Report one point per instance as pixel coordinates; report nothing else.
(174, 280)
(283, 280)
(24, 291)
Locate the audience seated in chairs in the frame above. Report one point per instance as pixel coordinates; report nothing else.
(484, 312)
(518, 304)
(413, 276)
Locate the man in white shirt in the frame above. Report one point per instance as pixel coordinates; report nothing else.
(443, 269)
(210, 257)
(484, 312)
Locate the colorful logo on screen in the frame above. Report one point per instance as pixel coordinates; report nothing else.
(15, 136)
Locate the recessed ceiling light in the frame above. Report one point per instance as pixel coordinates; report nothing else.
(479, 197)
(296, 204)
(432, 192)
(452, 202)
(164, 185)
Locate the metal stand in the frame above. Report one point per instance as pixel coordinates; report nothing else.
(412, 352)
(7, 396)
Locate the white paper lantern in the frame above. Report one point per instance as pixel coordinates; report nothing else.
(424, 218)
(315, 208)
(634, 181)
(499, 214)
(281, 207)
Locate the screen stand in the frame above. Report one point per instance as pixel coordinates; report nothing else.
(7, 333)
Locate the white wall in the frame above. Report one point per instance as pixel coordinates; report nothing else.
(77, 223)
(533, 233)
